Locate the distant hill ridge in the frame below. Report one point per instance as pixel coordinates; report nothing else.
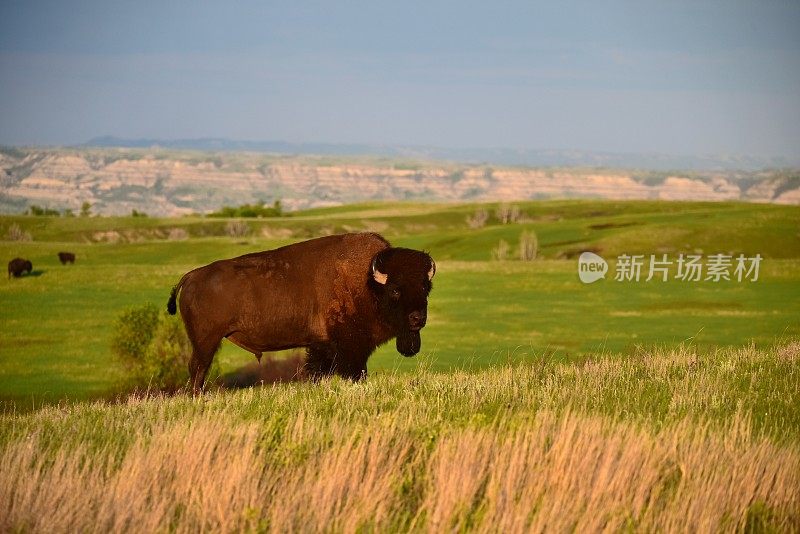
(168, 181)
(491, 156)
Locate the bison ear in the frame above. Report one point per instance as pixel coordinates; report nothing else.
(379, 277)
(433, 270)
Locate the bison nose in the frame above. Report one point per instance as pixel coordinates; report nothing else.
(416, 320)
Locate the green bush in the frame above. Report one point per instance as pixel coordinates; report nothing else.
(133, 331)
(155, 349)
(34, 209)
(167, 358)
(259, 209)
(166, 362)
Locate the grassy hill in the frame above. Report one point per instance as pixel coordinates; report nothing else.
(55, 326)
(538, 403)
(664, 440)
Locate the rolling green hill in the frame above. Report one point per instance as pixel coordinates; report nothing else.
(55, 326)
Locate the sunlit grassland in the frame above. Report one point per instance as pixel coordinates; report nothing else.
(660, 440)
(55, 326)
(538, 403)
(613, 226)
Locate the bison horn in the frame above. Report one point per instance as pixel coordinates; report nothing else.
(433, 270)
(376, 274)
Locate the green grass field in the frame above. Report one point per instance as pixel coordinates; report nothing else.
(55, 326)
(538, 403)
(660, 441)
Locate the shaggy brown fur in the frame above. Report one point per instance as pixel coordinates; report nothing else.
(66, 257)
(340, 297)
(18, 266)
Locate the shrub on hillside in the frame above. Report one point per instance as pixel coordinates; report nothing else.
(34, 209)
(237, 228)
(133, 331)
(259, 209)
(166, 359)
(154, 348)
(478, 219)
(528, 246)
(507, 214)
(15, 233)
(501, 252)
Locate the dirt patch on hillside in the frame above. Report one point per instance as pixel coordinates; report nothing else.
(281, 233)
(110, 236)
(605, 226)
(571, 253)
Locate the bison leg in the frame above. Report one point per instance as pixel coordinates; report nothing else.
(350, 359)
(202, 356)
(319, 361)
(354, 371)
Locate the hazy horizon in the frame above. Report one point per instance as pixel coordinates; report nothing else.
(684, 78)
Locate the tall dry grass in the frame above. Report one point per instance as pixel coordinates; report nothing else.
(517, 449)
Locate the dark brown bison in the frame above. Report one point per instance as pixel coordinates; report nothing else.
(340, 297)
(18, 267)
(66, 257)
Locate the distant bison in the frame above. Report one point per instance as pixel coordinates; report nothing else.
(66, 257)
(340, 297)
(18, 267)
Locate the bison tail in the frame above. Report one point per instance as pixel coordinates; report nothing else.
(172, 307)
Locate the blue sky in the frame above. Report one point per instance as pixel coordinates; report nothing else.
(669, 77)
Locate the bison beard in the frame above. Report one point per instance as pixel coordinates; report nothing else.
(339, 297)
(408, 342)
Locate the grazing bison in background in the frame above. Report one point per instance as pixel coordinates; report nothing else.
(66, 257)
(18, 267)
(339, 296)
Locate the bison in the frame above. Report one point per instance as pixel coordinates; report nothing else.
(18, 267)
(66, 257)
(339, 297)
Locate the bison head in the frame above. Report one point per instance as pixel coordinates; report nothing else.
(401, 278)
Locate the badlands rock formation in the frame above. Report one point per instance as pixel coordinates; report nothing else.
(116, 181)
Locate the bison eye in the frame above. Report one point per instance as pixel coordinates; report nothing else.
(395, 293)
